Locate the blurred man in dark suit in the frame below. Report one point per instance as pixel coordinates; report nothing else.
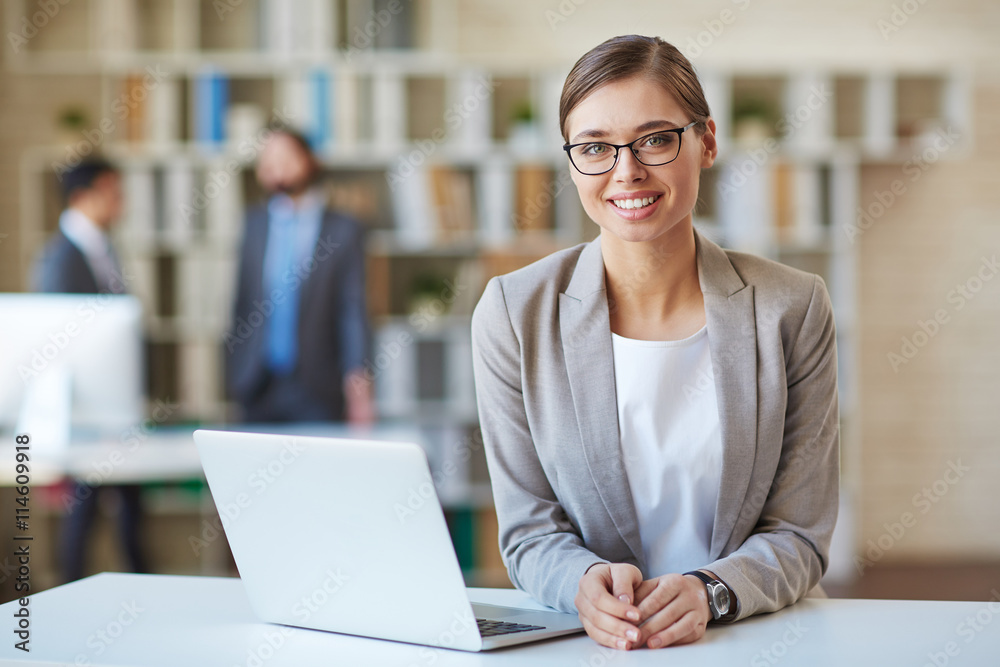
(300, 331)
(79, 259)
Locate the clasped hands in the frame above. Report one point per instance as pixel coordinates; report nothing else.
(620, 610)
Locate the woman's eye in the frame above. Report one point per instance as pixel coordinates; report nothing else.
(658, 140)
(595, 149)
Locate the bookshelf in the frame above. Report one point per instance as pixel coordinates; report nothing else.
(454, 167)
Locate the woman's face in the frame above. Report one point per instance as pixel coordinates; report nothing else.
(623, 111)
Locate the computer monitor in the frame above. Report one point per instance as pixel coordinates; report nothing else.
(93, 341)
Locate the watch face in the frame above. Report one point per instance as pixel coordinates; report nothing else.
(721, 598)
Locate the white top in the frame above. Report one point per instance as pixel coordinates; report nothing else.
(668, 422)
(93, 242)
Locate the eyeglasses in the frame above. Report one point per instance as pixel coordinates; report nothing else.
(593, 158)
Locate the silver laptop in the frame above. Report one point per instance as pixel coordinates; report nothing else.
(349, 536)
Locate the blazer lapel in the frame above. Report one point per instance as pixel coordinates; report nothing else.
(732, 336)
(585, 329)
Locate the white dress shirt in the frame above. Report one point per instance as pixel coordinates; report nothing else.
(668, 422)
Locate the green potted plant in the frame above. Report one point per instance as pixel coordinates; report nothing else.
(523, 134)
(754, 119)
(70, 122)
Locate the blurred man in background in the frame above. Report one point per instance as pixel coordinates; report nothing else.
(300, 331)
(79, 259)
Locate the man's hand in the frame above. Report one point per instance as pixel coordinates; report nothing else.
(674, 610)
(359, 403)
(605, 601)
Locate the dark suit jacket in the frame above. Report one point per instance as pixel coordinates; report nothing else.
(333, 329)
(62, 267)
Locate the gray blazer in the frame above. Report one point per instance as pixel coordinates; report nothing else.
(545, 384)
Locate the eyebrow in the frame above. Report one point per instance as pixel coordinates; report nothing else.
(647, 126)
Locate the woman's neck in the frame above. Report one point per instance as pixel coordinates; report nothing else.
(653, 288)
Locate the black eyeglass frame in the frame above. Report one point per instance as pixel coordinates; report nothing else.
(679, 131)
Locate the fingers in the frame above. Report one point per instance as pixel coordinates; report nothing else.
(613, 599)
(605, 621)
(688, 628)
(603, 584)
(642, 591)
(605, 638)
(658, 593)
(605, 617)
(624, 579)
(678, 611)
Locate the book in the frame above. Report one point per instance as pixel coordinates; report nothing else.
(182, 219)
(533, 209)
(362, 194)
(469, 114)
(808, 204)
(453, 203)
(139, 223)
(296, 26)
(388, 104)
(494, 183)
(133, 100)
(746, 208)
(413, 208)
(344, 109)
(140, 274)
(211, 103)
(164, 113)
(199, 376)
(221, 198)
(319, 121)
(784, 202)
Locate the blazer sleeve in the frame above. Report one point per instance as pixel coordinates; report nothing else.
(235, 359)
(788, 550)
(543, 552)
(353, 321)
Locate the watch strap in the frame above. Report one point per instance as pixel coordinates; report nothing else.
(708, 579)
(701, 575)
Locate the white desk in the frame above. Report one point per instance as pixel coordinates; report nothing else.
(128, 619)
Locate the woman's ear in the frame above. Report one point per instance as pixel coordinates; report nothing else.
(710, 147)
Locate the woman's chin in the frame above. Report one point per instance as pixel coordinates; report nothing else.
(634, 232)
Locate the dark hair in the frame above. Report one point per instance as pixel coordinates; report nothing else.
(628, 56)
(299, 139)
(83, 175)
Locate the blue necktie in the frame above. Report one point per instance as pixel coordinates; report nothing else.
(282, 347)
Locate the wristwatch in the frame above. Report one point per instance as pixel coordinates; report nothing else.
(718, 594)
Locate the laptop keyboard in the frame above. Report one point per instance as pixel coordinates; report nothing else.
(488, 628)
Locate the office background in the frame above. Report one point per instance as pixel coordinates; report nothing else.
(436, 122)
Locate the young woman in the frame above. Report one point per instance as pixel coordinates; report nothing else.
(660, 415)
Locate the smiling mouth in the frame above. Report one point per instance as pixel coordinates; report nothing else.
(635, 203)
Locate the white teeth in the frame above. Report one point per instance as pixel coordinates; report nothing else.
(633, 203)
